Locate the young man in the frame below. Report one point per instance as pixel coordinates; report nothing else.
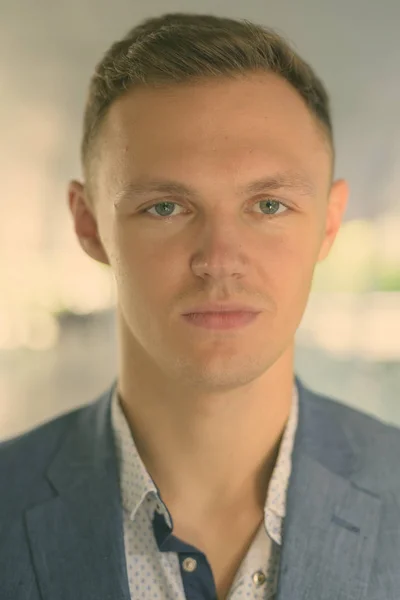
(207, 470)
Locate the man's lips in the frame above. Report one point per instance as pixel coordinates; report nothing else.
(221, 320)
(222, 308)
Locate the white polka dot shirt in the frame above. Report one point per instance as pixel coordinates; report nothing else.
(163, 567)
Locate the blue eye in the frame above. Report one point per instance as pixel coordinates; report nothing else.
(274, 202)
(265, 203)
(163, 204)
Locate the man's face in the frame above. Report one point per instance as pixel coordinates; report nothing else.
(218, 242)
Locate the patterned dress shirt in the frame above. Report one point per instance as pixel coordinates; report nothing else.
(163, 567)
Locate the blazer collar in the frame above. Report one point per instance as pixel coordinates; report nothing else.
(330, 528)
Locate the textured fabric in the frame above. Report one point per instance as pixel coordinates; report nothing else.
(61, 515)
(156, 574)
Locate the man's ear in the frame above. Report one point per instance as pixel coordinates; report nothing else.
(85, 223)
(337, 204)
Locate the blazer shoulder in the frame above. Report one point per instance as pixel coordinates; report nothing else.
(24, 460)
(372, 437)
(39, 437)
(354, 417)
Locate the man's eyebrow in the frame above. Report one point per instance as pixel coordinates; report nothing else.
(291, 180)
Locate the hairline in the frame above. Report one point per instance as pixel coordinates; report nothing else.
(93, 148)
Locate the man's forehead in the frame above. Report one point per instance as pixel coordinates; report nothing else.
(143, 139)
(292, 180)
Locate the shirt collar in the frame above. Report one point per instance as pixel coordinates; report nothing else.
(136, 483)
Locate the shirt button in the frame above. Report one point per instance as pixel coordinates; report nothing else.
(259, 578)
(189, 564)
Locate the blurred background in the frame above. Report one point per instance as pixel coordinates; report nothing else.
(57, 322)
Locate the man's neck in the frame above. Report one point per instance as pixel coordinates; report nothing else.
(211, 456)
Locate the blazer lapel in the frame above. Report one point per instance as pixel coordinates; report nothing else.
(76, 537)
(330, 529)
(332, 513)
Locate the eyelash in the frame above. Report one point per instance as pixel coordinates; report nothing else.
(166, 217)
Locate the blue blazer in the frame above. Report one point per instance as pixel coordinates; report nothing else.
(61, 531)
